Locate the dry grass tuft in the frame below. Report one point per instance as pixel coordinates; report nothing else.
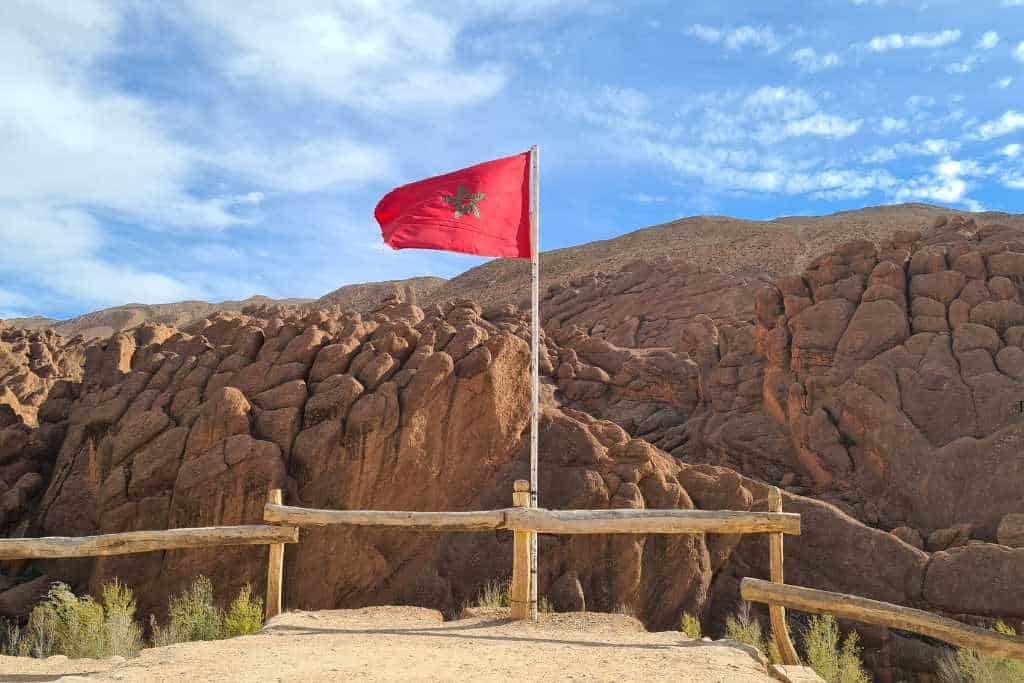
(967, 666)
(834, 662)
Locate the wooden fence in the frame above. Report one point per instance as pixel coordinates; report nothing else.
(129, 542)
(524, 521)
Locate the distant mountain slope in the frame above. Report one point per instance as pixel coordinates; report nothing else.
(107, 321)
(730, 245)
(416, 290)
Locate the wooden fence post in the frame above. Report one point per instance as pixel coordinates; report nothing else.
(780, 631)
(275, 565)
(520, 590)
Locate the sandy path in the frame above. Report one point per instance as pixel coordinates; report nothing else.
(414, 644)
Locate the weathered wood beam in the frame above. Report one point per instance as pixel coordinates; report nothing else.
(550, 521)
(777, 613)
(883, 614)
(275, 566)
(650, 521)
(427, 521)
(129, 542)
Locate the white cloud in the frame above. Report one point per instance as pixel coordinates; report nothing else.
(382, 56)
(893, 125)
(760, 37)
(309, 167)
(917, 102)
(60, 249)
(899, 41)
(708, 34)
(946, 183)
(825, 125)
(1011, 151)
(962, 67)
(808, 59)
(723, 170)
(1013, 3)
(1018, 52)
(929, 147)
(988, 40)
(644, 198)
(1009, 122)
(75, 140)
(627, 101)
(1004, 83)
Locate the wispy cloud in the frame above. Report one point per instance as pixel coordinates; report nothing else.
(962, 67)
(988, 40)
(1012, 150)
(899, 41)
(1009, 122)
(380, 56)
(759, 37)
(890, 124)
(1004, 83)
(307, 167)
(644, 198)
(1018, 52)
(809, 60)
(947, 183)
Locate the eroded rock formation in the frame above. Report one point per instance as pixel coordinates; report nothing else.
(880, 388)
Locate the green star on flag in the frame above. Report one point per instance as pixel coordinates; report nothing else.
(465, 203)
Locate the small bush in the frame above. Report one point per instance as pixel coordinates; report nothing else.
(244, 616)
(64, 624)
(690, 625)
(123, 635)
(192, 615)
(744, 628)
(544, 605)
(495, 594)
(967, 666)
(834, 663)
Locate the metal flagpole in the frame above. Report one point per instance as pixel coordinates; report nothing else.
(534, 357)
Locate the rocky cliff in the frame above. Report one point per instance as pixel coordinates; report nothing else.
(880, 388)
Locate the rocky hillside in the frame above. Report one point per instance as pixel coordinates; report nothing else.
(716, 243)
(880, 388)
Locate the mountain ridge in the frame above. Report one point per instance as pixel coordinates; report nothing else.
(774, 247)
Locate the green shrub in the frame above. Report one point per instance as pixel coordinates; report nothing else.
(967, 666)
(495, 594)
(834, 663)
(244, 616)
(65, 624)
(123, 635)
(544, 605)
(744, 628)
(690, 625)
(191, 616)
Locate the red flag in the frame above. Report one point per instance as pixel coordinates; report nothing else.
(483, 210)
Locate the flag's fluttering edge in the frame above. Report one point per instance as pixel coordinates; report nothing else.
(482, 210)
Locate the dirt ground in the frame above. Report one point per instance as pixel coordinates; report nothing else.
(415, 644)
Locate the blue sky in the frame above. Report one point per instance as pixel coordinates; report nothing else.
(160, 151)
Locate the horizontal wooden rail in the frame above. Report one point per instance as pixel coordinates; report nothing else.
(883, 614)
(429, 521)
(549, 521)
(52, 547)
(650, 521)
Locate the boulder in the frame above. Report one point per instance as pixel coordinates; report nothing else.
(1011, 530)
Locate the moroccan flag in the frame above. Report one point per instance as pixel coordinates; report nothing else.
(483, 210)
